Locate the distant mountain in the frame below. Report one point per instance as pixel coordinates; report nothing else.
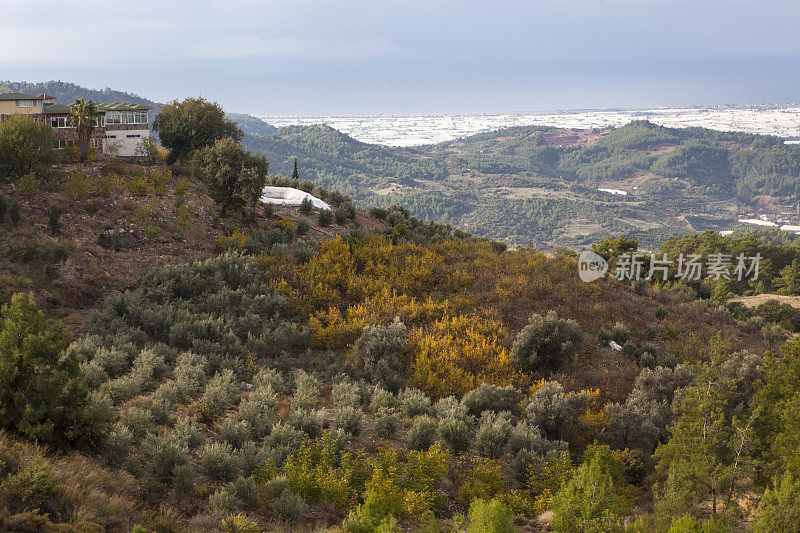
(549, 186)
(251, 125)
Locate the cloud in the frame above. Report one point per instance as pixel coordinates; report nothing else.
(295, 48)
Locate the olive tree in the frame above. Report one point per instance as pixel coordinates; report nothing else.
(545, 342)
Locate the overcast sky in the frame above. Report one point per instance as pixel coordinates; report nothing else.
(406, 56)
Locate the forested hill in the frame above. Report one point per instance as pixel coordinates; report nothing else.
(541, 184)
(66, 93)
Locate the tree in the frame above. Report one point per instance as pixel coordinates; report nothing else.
(24, 144)
(235, 177)
(597, 497)
(43, 394)
(615, 247)
(779, 510)
(83, 116)
(789, 280)
(295, 174)
(195, 123)
(545, 342)
(709, 455)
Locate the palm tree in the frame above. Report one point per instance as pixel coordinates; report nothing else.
(83, 115)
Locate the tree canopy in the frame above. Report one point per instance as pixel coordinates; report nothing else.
(194, 123)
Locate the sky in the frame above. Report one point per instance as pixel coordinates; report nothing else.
(413, 56)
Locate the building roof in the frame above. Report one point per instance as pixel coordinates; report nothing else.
(118, 106)
(18, 96)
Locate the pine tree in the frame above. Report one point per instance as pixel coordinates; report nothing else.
(295, 174)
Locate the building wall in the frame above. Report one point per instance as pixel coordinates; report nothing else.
(123, 141)
(9, 107)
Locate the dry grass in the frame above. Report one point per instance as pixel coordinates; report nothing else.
(85, 492)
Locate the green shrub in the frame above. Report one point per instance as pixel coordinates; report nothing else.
(282, 441)
(348, 418)
(30, 487)
(220, 392)
(325, 217)
(414, 402)
(619, 334)
(234, 432)
(387, 420)
(378, 354)
(289, 505)
(450, 406)
(345, 394)
(53, 223)
(596, 498)
(78, 185)
(24, 144)
(455, 432)
(494, 398)
(306, 420)
(118, 445)
(545, 342)
(13, 213)
(183, 481)
(484, 480)
(165, 452)
(219, 462)
(344, 213)
(494, 430)
(188, 433)
(306, 206)
(307, 391)
(269, 377)
(422, 433)
(138, 421)
(490, 517)
(246, 490)
(221, 502)
(259, 409)
(43, 394)
(302, 228)
(382, 398)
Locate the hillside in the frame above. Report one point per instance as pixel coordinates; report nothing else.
(274, 380)
(540, 185)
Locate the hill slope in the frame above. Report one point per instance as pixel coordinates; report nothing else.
(540, 185)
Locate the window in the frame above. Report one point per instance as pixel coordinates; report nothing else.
(58, 122)
(96, 142)
(133, 136)
(111, 136)
(29, 103)
(63, 143)
(126, 117)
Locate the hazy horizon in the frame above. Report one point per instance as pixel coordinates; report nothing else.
(412, 57)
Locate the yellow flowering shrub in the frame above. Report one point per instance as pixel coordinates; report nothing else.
(455, 354)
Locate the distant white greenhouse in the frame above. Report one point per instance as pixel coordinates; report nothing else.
(289, 196)
(619, 192)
